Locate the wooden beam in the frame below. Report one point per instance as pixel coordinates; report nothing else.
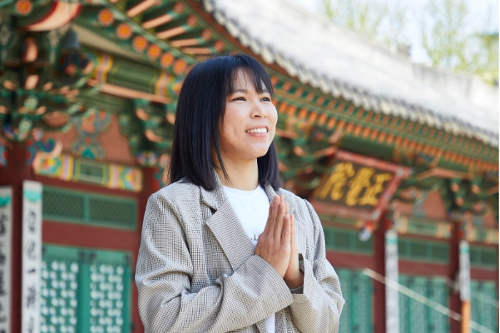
(60, 15)
(197, 50)
(128, 93)
(443, 173)
(157, 21)
(492, 190)
(140, 7)
(166, 34)
(163, 16)
(286, 134)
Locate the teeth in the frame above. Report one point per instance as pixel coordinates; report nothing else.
(257, 130)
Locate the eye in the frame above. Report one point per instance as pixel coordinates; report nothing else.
(266, 99)
(239, 99)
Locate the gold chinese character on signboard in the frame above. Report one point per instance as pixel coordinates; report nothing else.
(354, 185)
(337, 181)
(357, 184)
(371, 193)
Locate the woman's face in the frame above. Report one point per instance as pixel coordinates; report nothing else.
(249, 122)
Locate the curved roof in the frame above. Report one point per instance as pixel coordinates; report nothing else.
(342, 63)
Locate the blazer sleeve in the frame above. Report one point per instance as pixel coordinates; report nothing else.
(164, 274)
(318, 308)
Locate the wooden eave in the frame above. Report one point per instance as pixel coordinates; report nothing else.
(341, 122)
(386, 129)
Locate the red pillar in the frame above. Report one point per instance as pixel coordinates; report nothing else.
(379, 287)
(13, 175)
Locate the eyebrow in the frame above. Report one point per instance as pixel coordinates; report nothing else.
(246, 91)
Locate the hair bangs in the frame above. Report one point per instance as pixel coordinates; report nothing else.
(253, 72)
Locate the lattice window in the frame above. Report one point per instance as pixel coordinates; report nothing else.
(87, 208)
(416, 317)
(485, 257)
(346, 240)
(484, 304)
(412, 249)
(111, 211)
(63, 204)
(85, 290)
(59, 288)
(357, 290)
(106, 298)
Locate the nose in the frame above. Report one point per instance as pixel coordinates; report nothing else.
(258, 111)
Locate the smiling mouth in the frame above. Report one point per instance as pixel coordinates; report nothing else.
(257, 130)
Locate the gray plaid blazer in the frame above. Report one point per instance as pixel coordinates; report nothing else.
(197, 272)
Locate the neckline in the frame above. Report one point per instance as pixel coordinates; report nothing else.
(242, 193)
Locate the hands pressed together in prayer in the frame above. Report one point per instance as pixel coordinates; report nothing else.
(278, 243)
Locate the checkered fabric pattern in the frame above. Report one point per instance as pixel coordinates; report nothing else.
(197, 272)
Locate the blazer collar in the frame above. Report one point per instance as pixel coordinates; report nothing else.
(215, 198)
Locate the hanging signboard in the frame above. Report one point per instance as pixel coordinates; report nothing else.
(5, 256)
(392, 279)
(354, 185)
(31, 256)
(359, 187)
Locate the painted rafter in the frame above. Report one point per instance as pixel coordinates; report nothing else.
(38, 87)
(134, 80)
(181, 28)
(343, 117)
(313, 103)
(141, 6)
(162, 15)
(118, 26)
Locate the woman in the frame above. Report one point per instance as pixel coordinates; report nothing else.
(223, 247)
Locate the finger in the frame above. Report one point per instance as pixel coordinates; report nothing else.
(269, 217)
(286, 233)
(276, 207)
(273, 211)
(295, 247)
(278, 224)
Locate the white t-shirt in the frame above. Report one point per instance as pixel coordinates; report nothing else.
(252, 209)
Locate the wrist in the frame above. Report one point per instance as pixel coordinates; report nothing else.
(296, 281)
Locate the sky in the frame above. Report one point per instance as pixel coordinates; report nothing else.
(479, 9)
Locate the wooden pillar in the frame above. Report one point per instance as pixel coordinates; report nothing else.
(465, 325)
(453, 269)
(13, 175)
(379, 287)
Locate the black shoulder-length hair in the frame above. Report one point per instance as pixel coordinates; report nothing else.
(201, 105)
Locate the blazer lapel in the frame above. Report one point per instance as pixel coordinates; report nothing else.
(230, 234)
(226, 227)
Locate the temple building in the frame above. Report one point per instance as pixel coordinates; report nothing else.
(399, 160)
